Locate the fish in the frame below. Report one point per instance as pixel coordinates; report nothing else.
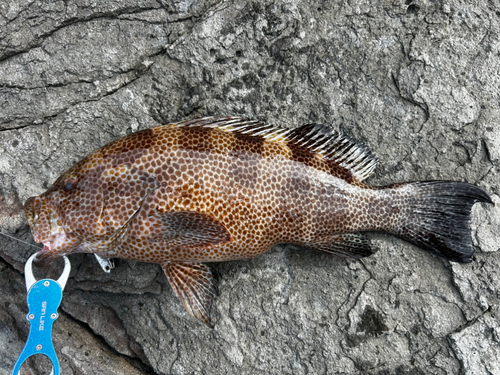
(217, 189)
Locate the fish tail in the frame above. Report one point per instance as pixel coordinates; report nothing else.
(437, 217)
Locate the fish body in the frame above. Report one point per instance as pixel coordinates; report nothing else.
(219, 189)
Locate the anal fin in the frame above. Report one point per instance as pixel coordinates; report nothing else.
(353, 245)
(195, 286)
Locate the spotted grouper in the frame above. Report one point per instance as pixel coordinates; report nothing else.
(218, 189)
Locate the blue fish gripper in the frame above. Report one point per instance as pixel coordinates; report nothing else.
(44, 298)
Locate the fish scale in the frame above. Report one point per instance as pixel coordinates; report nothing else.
(219, 189)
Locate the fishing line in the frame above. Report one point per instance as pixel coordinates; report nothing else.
(17, 239)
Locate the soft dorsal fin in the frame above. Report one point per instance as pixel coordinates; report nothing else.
(316, 138)
(336, 148)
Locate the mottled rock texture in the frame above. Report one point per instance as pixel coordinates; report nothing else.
(416, 81)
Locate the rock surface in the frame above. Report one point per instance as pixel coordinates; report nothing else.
(417, 81)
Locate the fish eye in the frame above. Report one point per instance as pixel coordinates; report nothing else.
(70, 184)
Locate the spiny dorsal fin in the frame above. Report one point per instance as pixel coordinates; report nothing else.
(317, 138)
(242, 126)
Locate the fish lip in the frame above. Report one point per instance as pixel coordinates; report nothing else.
(54, 244)
(47, 246)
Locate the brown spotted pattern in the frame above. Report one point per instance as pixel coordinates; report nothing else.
(217, 189)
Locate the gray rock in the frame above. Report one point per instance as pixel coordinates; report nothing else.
(418, 82)
(477, 345)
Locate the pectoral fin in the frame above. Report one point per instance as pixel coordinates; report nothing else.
(354, 245)
(190, 230)
(195, 286)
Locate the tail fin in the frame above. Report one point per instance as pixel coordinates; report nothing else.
(438, 217)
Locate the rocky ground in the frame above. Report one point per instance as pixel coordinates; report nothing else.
(417, 81)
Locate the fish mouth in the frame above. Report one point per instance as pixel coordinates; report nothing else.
(54, 247)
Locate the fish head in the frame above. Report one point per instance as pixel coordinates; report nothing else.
(68, 212)
(47, 228)
(89, 205)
